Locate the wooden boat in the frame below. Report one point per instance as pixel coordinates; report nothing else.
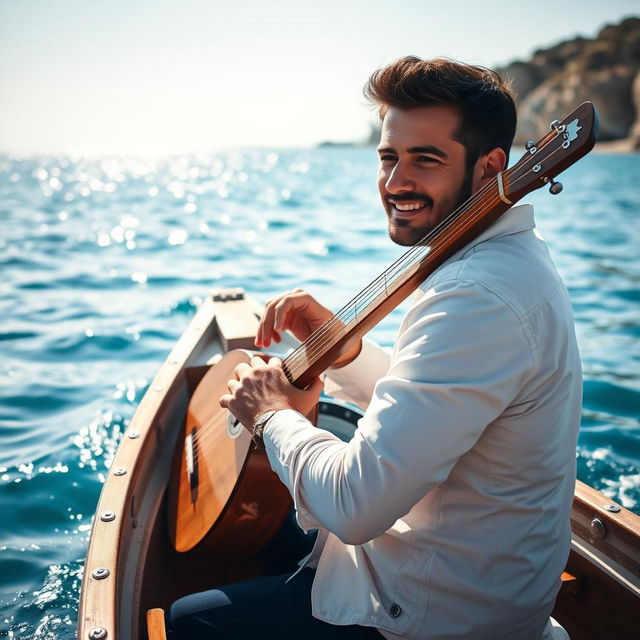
(131, 565)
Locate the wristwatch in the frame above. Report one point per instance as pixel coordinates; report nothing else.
(260, 424)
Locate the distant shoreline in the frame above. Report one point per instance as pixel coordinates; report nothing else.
(623, 145)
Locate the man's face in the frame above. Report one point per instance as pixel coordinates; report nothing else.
(422, 176)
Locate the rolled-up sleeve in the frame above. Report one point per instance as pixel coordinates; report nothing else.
(460, 359)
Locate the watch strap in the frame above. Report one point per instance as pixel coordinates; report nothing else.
(259, 425)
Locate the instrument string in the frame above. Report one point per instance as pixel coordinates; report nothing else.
(317, 345)
(372, 291)
(299, 359)
(207, 430)
(204, 433)
(405, 258)
(328, 333)
(376, 288)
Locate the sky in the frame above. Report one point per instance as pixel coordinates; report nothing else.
(155, 77)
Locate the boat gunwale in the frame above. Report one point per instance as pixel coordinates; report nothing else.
(99, 598)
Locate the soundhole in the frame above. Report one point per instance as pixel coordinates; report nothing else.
(234, 427)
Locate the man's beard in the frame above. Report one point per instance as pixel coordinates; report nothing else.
(422, 235)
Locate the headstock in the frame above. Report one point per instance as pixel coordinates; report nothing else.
(567, 142)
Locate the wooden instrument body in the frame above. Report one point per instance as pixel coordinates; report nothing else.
(225, 494)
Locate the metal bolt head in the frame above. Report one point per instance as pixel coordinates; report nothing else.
(108, 516)
(98, 633)
(157, 387)
(598, 529)
(101, 573)
(120, 471)
(613, 508)
(133, 435)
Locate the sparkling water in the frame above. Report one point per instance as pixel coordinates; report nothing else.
(105, 261)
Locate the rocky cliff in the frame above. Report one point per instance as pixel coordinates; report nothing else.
(605, 70)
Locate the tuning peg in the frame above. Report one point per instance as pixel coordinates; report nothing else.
(529, 144)
(555, 187)
(555, 124)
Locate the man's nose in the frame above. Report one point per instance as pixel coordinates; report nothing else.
(399, 180)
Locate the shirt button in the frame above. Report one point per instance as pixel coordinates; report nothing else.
(395, 610)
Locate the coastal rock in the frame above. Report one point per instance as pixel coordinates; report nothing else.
(635, 130)
(557, 79)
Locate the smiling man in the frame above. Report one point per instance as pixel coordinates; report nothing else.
(447, 514)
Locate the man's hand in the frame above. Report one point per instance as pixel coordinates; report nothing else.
(300, 313)
(260, 386)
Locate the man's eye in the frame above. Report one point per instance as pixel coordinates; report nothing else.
(387, 157)
(427, 159)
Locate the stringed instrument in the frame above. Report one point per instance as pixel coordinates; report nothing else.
(225, 491)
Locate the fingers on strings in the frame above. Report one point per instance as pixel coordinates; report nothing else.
(275, 318)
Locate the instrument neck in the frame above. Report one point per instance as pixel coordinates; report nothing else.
(325, 345)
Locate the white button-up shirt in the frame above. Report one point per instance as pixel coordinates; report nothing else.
(447, 514)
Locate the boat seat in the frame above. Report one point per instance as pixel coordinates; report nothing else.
(155, 625)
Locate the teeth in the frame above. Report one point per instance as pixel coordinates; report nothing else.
(408, 207)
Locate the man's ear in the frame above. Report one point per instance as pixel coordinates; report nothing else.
(492, 163)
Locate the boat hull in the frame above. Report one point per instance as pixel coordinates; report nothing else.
(132, 566)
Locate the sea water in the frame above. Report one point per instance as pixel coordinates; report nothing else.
(104, 261)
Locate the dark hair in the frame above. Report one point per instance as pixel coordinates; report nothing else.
(485, 102)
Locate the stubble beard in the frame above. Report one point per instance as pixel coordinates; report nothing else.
(404, 235)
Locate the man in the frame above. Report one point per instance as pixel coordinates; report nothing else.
(447, 514)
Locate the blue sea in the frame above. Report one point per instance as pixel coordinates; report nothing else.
(104, 261)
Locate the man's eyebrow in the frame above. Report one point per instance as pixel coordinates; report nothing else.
(436, 151)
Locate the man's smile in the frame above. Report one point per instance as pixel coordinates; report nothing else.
(409, 207)
(405, 208)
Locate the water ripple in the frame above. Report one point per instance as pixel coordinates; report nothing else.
(105, 260)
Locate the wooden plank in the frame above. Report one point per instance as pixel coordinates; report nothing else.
(597, 604)
(155, 625)
(616, 534)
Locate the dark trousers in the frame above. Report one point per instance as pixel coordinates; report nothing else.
(269, 608)
(266, 607)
